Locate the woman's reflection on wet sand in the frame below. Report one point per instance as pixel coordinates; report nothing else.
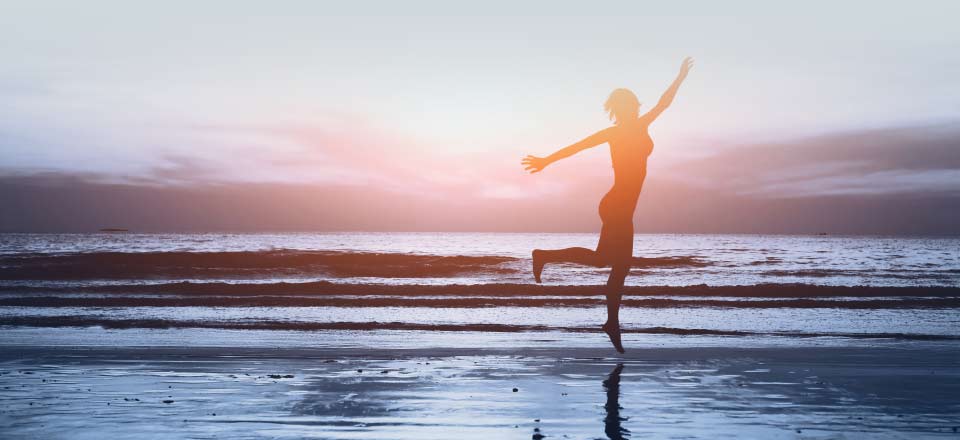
(612, 422)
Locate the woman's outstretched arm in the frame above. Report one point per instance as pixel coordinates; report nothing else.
(535, 164)
(671, 92)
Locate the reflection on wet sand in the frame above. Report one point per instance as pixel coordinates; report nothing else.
(468, 393)
(613, 421)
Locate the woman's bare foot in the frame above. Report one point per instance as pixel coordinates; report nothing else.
(613, 331)
(537, 264)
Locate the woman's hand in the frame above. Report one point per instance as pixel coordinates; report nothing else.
(534, 164)
(685, 67)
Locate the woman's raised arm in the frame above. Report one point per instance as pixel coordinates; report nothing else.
(671, 92)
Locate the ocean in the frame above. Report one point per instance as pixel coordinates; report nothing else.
(475, 258)
(431, 336)
(734, 285)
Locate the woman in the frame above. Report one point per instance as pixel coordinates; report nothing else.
(630, 145)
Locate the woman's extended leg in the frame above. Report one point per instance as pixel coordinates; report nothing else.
(578, 255)
(614, 292)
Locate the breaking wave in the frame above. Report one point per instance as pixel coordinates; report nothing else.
(468, 302)
(269, 264)
(319, 289)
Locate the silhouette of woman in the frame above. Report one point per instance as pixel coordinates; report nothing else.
(630, 145)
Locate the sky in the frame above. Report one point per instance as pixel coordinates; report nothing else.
(309, 115)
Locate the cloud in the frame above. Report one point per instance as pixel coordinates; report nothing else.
(872, 183)
(910, 160)
(58, 202)
(852, 183)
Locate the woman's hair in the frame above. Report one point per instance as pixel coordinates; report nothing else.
(622, 104)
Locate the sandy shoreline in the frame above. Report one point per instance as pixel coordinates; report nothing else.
(123, 383)
(84, 321)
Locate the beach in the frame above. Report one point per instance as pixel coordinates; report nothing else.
(407, 384)
(412, 336)
(538, 220)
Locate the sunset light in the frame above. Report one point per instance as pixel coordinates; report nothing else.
(429, 219)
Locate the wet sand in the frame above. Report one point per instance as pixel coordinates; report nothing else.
(95, 383)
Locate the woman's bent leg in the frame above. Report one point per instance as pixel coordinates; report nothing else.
(577, 255)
